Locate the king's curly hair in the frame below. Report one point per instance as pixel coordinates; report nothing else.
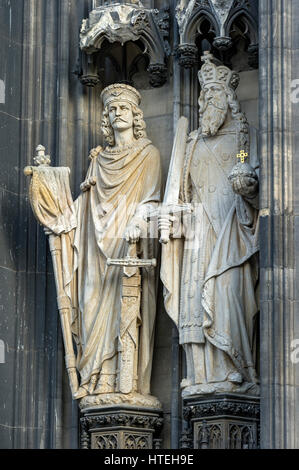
(139, 125)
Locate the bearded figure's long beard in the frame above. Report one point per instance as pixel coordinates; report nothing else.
(212, 119)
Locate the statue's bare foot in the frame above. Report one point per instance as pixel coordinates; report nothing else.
(82, 392)
(235, 378)
(186, 383)
(249, 388)
(198, 389)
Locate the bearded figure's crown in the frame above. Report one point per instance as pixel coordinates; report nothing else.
(120, 92)
(211, 73)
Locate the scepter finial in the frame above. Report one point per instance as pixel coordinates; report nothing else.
(41, 158)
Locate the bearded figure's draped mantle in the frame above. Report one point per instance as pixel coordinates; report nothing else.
(215, 267)
(127, 186)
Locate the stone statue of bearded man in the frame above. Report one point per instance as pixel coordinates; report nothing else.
(121, 187)
(210, 274)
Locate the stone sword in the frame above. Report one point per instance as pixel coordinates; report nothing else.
(129, 318)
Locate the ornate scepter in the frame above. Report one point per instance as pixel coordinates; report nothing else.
(37, 183)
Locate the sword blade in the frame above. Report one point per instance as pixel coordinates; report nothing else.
(132, 262)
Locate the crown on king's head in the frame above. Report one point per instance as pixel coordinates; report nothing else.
(120, 92)
(211, 73)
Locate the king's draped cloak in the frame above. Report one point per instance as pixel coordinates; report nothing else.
(91, 229)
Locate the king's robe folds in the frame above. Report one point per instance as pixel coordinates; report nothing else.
(126, 189)
(209, 267)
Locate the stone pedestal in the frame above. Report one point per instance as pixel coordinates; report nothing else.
(226, 421)
(279, 223)
(120, 427)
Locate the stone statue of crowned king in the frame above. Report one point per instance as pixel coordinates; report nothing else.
(210, 264)
(108, 221)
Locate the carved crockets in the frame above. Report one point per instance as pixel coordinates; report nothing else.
(104, 258)
(209, 266)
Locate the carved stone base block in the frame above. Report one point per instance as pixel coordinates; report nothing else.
(226, 421)
(120, 427)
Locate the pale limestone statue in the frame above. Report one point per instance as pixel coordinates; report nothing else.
(106, 304)
(210, 267)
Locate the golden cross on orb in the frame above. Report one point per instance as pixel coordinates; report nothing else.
(242, 155)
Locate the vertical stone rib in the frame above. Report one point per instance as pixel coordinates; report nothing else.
(24, 370)
(63, 82)
(277, 226)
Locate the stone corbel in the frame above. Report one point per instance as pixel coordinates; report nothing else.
(120, 23)
(221, 14)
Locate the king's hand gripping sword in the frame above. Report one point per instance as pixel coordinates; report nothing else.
(172, 190)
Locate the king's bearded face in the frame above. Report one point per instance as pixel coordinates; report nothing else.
(120, 115)
(214, 109)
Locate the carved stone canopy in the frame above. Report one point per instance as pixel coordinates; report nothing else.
(123, 23)
(227, 21)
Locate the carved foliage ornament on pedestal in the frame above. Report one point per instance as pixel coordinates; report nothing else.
(221, 21)
(222, 422)
(123, 23)
(126, 429)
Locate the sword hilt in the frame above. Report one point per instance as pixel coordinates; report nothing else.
(132, 262)
(168, 210)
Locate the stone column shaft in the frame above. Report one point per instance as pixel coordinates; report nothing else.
(279, 232)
